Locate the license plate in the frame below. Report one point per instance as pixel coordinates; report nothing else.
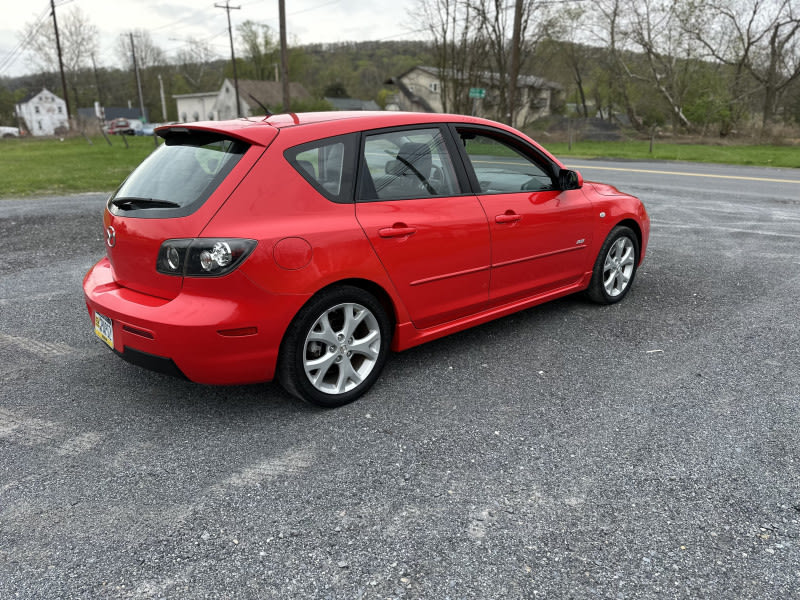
(104, 329)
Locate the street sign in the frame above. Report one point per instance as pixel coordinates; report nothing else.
(477, 92)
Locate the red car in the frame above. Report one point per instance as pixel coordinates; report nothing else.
(306, 247)
(124, 127)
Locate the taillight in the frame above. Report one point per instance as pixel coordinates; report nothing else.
(202, 257)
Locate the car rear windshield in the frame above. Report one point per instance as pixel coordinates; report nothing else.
(178, 177)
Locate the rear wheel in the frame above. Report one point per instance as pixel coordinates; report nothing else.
(335, 348)
(615, 266)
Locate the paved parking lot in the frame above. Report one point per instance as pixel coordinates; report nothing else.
(648, 449)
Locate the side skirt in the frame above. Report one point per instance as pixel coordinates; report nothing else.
(407, 336)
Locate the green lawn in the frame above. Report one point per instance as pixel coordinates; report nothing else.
(767, 156)
(48, 166)
(31, 166)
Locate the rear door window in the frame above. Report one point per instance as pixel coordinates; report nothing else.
(404, 164)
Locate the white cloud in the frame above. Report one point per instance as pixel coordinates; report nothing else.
(171, 23)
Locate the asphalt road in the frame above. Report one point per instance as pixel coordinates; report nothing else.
(650, 449)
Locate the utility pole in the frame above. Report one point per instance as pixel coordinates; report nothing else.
(138, 79)
(99, 90)
(60, 60)
(163, 99)
(514, 74)
(284, 57)
(228, 8)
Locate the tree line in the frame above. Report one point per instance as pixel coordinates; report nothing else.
(700, 66)
(356, 69)
(693, 65)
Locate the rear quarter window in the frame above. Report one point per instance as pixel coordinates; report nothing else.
(328, 165)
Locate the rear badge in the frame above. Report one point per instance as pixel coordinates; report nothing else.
(111, 236)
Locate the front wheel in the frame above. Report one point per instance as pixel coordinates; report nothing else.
(335, 348)
(615, 266)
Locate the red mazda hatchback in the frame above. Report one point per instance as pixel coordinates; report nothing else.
(306, 247)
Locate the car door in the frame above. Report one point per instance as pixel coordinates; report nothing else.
(432, 238)
(540, 234)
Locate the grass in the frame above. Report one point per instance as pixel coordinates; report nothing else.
(765, 156)
(33, 166)
(36, 166)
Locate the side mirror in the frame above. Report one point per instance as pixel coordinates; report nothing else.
(569, 180)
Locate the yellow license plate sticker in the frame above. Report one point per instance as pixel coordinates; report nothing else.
(104, 329)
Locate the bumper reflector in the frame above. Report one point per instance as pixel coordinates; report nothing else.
(239, 332)
(139, 332)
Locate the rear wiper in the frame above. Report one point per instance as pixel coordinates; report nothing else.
(127, 203)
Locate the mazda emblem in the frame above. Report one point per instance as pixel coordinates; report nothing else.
(111, 236)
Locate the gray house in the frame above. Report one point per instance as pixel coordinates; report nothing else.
(352, 104)
(420, 90)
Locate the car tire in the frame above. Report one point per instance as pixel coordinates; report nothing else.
(335, 348)
(615, 266)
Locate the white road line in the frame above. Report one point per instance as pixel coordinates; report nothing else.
(705, 226)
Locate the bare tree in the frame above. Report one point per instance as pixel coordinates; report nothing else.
(495, 29)
(778, 66)
(758, 38)
(457, 46)
(148, 54)
(608, 27)
(657, 29)
(511, 33)
(475, 44)
(140, 54)
(567, 29)
(79, 42)
(193, 63)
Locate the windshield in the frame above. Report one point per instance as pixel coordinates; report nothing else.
(178, 177)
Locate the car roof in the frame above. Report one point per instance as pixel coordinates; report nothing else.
(262, 130)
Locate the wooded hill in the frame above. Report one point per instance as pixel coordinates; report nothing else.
(591, 86)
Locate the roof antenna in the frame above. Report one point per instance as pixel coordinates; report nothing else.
(257, 101)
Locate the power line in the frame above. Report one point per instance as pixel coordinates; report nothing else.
(305, 10)
(21, 46)
(184, 21)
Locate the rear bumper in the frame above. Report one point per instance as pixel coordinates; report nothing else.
(216, 331)
(159, 364)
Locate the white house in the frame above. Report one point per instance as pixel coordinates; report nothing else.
(221, 105)
(197, 107)
(44, 113)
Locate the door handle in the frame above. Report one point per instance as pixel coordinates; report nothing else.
(397, 230)
(508, 217)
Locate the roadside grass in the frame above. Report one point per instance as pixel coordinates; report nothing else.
(764, 156)
(32, 166)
